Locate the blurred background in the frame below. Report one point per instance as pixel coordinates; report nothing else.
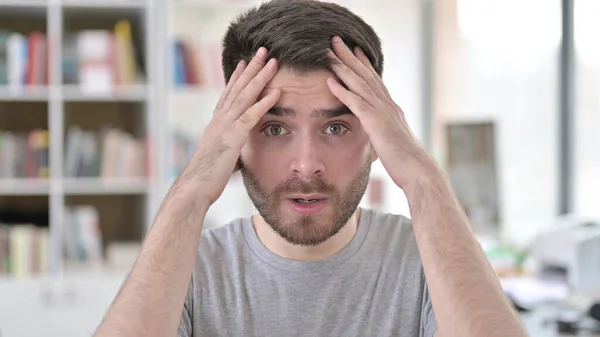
(103, 101)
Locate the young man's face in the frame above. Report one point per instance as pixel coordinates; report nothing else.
(307, 162)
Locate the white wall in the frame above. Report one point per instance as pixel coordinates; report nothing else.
(500, 72)
(587, 109)
(586, 168)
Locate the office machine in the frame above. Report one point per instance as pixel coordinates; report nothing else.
(570, 251)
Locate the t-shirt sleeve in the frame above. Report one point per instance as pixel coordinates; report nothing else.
(185, 325)
(428, 321)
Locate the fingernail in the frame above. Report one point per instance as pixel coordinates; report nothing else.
(272, 62)
(358, 50)
(241, 64)
(261, 52)
(337, 39)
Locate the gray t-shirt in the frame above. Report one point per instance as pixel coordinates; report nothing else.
(375, 286)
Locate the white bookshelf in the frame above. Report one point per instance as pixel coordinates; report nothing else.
(68, 103)
(78, 294)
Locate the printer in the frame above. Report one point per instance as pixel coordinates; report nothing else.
(570, 251)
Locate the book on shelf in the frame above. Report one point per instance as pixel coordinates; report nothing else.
(25, 247)
(24, 155)
(100, 60)
(182, 148)
(24, 250)
(197, 64)
(82, 236)
(23, 59)
(108, 153)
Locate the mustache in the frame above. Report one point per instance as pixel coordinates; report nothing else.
(297, 185)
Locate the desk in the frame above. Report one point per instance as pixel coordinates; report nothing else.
(538, 323)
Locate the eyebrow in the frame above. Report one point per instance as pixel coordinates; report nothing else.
(327, 113)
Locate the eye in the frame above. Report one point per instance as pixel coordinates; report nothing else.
(275, 130)
(336, 129)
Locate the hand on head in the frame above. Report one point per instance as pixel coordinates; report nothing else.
(383, 120)
(237, 112)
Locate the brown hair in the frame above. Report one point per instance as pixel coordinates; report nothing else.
(297, 33)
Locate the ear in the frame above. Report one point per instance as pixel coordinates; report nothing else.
(374, 155)
(238, 165)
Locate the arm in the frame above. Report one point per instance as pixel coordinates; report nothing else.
(465, 293)
(151, 300)
(150, 303)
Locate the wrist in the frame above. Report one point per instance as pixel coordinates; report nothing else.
(190, 189)
(429, 179)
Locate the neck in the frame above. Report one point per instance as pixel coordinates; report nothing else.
(283, 248)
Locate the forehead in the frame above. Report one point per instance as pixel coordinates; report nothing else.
(303, 92)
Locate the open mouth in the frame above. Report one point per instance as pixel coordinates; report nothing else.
(309, 205)
(306, 201)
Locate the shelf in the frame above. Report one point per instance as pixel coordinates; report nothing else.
(214, 4)
(73, 270)
(75, 186)
(68, 274)
(102, 186)
(239, 5)
(110, 4)
(190, 90)
(75, 93)
(24, 187)
(23, 3)
(24, 94)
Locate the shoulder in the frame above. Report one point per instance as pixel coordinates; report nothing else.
(232, 229)
(392, 228)
(391, 221)
(222, 239)
(223, 247)
(392, 235)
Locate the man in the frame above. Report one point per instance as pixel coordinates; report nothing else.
(303, 116)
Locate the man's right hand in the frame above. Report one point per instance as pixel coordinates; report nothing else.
(237, 112)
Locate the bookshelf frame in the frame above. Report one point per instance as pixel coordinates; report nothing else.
(58, 96)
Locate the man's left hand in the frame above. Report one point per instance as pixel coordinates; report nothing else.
(367, 97)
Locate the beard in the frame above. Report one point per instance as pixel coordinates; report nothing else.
(307, 230)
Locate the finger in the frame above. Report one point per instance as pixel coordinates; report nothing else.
(250, 117)
(257, 63)
(351, 61)
(361, 108)
(354, 82)
(232, 80)
(249, 95)
(362, 57)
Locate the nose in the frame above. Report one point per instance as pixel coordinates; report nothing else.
(306, 162)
